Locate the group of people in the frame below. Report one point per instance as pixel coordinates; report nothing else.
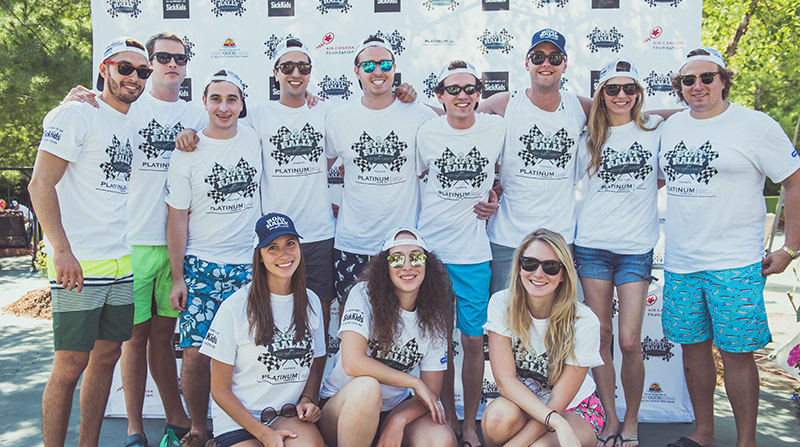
(409, 252)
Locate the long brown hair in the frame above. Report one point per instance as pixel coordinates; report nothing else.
(598, 126)
(559, 337)
(259, 302)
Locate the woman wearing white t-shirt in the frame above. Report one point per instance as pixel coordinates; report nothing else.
(616, 232)
(267, 349)
(394, 320)
(542, 343)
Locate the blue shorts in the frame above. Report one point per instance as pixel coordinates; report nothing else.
(233, 437)
(471, 286)
(727, 305)
(603, 264)
(209, 284)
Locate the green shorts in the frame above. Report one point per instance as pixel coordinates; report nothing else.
(102, 311)
(151, 282)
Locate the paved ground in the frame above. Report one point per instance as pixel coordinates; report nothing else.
(26, 355)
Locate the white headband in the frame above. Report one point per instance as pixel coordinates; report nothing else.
(470, 69)
(374, 43)
(389, 241)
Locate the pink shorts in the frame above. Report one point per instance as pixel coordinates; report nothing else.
(592, 412)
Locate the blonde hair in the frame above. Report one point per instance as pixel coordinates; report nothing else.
(560, 334)
(598, 127)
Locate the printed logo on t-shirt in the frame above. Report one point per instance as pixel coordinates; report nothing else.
(282, 352)
(461, 168)
(118, 168)
(159, 141)
(631, 162)
(379, 155)
(545, 149)
(291, 144)
(401, 358)
(690, 162)
(530, 365)
(234, 180)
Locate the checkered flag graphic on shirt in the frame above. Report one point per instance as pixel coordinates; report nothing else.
(152, 128)
(402, 358)
(270, 361)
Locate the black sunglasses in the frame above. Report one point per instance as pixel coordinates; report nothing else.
(269, 414)
(550, 267)
(706, 78)
(163, 58)
(614, 89)
(454, 90)
(125, 69)
(555, 58)
(288, 67)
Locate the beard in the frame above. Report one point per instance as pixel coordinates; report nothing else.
(121, 93)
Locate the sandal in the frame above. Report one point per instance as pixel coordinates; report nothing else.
(136, 440)
(612, 438)
(684, 442)
(631, 439)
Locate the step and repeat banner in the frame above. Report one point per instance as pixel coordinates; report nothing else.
(494, 35)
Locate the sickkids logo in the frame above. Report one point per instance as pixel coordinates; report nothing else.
(541, 147)
(594, 82)
(229, 50)
(326, 6)
(387, 5)
(433, 4)
(494, 82)
(394, 39)
(658, 83)
(376, 151)
(280, 8)
(611, 39)
(500, 41)
(543, 3)
(121, 157)
(335, 87)
(221, 7)
(654, 3)
(494, 5)
(605, 4)
(291, 144)
(630, 162)
(225, 182)
(272, 44)
(657, 349)
(186, 90)
(656, 43)
(176, 9)
(691, 162)
(119, 7)
(274, 89)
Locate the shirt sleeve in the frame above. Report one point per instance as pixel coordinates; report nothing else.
(776, 157)
(497, 321)
(318, 329)
(220, 342)
(65, 132)
(357, 316)
(435, 358)
(178, 190)
(587, 341)
(330, 136)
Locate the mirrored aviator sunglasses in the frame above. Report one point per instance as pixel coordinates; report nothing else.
(269, 414)
(614, 89)
(126, 69)
(163, 58)
(705, 78)
(550, 267)
(397, 260)
(555, 58)
(288, 67)
(369, 66)
(454, 90)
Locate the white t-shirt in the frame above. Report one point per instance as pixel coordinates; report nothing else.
(620, 209)
(411, 349)
(531, 359)
(93, 192)
(460, 166)
(537, 170)
(156, 124)
(295, 179)
(378, 149)
(263, 376)
(715, 170)
(219, 184)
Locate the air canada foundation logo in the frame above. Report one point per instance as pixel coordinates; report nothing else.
(461, 168)
(500, 41)
(631, 162)
(387, 5)
(654, 3)
(158, 139)
(432, 4)
(372, 152)
(541, 147)
(118, 7)
(121, 157)
(272, 44)
(658, 83)
(176, 9)
(692, 162)
(657, 349)
(290, 144)
(543, 3)
(611, 39)
(394, 39)
(280, 8)
(236, 7)
(335, 87)
(239, 179)
(326, 6)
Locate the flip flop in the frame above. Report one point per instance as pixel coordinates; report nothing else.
(609, 438)
(684, 442)
(467, 443)
(631, 439)
(136, 440)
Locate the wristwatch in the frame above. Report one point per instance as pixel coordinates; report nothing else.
(794, 254)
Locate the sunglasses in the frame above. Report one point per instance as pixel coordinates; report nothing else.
(164, 58)
(549, 267)
(125, 69)
(269, 414)
(706, 78)
(454, 90)
(614, 89)
(555, 58)
(288, 67)
(369, 66)
(398, 260)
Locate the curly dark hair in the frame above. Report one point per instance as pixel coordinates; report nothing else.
(433, 302)
(725, 75)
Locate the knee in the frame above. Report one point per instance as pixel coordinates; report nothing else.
(365, 391)
(496, 422)
(69, 365)
(472, 344)
(106, 353)
(630, 345)
(194, 362)
(606, 334)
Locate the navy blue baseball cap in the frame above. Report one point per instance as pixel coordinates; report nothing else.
(549, 35)
(273, 225)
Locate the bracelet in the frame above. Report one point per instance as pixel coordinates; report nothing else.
(309, 399)
(794, 254)
(547, 422)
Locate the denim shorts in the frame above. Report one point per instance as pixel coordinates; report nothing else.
(233, 438)
(603, 264)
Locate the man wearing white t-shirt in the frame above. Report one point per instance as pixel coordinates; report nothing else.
(714, 158)
(214, 202)
(459, 152)
(79, 188)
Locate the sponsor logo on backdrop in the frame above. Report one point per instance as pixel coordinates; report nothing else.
(611, 39)
(119, 7)
(543, 3)
(229, 50)
(333, 50)
(654, 37)
(500, 41)
(335, 177)
(186, 90)
(280, 8)
(489, 391)
(327, 39)
(605, 4)
(430, 84)
(595, 81)
(221, 7)
(432, 4)
(434, 41)
(656, 394)
(654, 3)
(657, 349)
(658, 83)
(272, 44)
(333, 345)
(494, 82)
(394, 39)
(387, 5)
(494, 5)
(335, 87)
(326, 6)
(189, 48)
(274, 89)
(176, 9)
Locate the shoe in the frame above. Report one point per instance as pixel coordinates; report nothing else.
(684, 442)
(195, 440)
(136, 440)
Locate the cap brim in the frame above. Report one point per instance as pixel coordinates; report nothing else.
(265, 242)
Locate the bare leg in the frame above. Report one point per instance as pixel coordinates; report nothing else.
(161, 360)
(700, 373)
(424, 432)
(307, 433)
(501, 420)
(95, 388)
(57, 398)
(741, 384)
(133, 366)
(448, 397)
(196, 384)
(350, 418)
(632, 298)
(472, 380)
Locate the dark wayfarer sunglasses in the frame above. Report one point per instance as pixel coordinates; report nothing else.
(163, 58)
(550, 267)
(705, 78)
(125, 69)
